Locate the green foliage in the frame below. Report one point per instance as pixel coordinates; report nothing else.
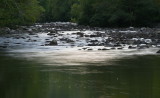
(19, 12)
(102, 13)
(116, 12)
(75, 12)
(56, 10)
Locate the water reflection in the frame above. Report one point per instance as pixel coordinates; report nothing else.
(136, 77)
(74, 57)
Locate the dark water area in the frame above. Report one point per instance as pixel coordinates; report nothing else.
(135, 77)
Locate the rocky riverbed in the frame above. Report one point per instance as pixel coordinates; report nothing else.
(66, 35)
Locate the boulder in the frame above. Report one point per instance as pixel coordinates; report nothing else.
(132, 47)
(89, 49)
(80, 34)
(105, 49)
(53, 43)
(158, 51)
(3, 46)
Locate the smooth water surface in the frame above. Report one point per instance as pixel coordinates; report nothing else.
(77, 75)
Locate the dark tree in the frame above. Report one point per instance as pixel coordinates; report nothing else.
(19, 12)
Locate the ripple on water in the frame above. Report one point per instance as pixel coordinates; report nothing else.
(64, 55)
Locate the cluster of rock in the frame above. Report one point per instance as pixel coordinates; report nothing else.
(71, 34)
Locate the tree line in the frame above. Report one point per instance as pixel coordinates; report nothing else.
(102, 13)
(19, 12)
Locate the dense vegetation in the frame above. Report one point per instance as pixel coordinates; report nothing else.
(19, 12)
(116, 12)
(56, 10)
(102, 13)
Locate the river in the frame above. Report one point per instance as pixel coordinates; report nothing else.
(79, 74)
(65, 65)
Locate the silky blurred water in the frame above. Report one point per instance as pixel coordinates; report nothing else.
(79, 74)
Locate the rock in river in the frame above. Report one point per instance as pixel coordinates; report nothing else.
(158, 51)
(53, 43)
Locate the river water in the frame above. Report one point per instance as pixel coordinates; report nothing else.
(28, 69)
(79, 74)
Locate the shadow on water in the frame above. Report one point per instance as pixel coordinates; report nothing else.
(136, 77)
